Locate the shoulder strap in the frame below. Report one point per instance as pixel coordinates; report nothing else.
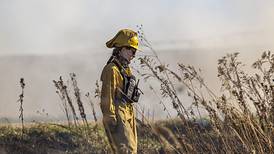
(123, 74)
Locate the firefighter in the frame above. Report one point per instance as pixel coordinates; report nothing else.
(119, 92)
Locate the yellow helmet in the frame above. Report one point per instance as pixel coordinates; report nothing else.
(124, 37)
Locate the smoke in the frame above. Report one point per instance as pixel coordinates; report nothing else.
(48, 26)
(41, 40)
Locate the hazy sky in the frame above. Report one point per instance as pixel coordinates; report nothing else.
(61, 26)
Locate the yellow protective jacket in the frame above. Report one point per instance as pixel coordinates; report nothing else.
(118, 117)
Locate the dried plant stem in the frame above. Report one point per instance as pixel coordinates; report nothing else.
(64, 96)
(78, 98)
(92, 107)
(20, 100)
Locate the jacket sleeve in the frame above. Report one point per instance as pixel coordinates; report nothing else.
(109, 84)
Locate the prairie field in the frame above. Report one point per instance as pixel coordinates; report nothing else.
(239, 119)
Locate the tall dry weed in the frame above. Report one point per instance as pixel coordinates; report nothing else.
(241, 116)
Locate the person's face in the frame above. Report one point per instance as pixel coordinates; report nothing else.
(128, 53)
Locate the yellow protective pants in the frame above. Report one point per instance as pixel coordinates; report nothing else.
(122, 136)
